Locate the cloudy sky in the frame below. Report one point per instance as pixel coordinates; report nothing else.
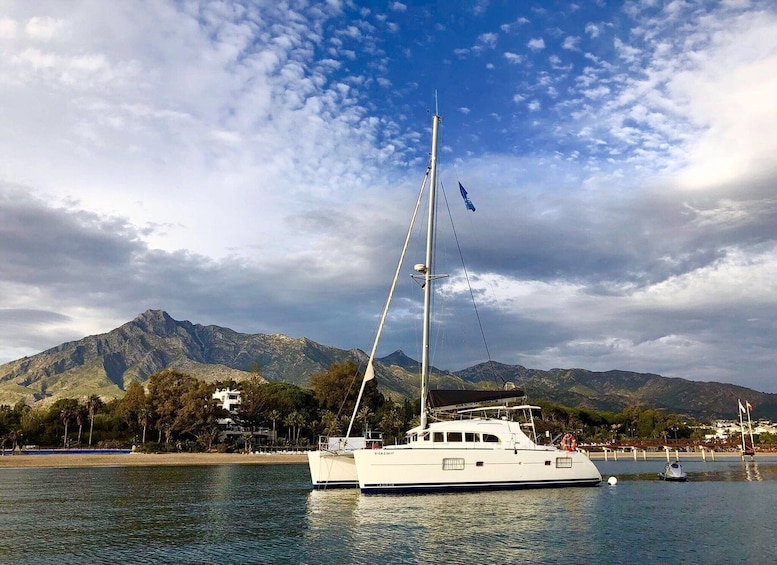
(254, 165)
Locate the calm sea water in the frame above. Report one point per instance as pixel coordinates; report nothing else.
(269, 514)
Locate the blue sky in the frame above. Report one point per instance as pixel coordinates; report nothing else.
(254, 165)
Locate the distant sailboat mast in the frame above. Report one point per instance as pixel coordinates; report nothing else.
(750, 428)
(747, 448)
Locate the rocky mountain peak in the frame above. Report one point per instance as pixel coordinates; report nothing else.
(157, 322)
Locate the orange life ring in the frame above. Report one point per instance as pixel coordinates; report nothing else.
(568, 442)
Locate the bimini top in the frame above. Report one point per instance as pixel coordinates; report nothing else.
(446, 400)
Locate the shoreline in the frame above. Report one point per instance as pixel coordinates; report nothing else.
(673, 455)
(75, 460)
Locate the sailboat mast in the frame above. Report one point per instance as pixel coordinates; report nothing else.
(428, 273)
(749, 425)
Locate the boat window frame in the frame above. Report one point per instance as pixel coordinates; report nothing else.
(563, 462)
(453, 464)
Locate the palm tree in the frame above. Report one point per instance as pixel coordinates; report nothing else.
(289, 421)
(143, 418)
(392, 422)
(274, 415)
(363, 415)
(65, 417)
(331, 423)
(93, 404)
(247, 438)
(80, 416)
(297, 420)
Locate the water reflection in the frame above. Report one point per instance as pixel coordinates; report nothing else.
(330, 527)
(751, 471)
(448, 528)
(268, 514)
(597, 525)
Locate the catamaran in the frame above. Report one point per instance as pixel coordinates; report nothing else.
(467, 440)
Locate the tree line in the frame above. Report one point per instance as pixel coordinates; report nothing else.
(176, 411)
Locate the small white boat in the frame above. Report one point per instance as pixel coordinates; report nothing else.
(673, 472)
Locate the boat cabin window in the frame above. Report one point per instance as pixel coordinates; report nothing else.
(471, 436)
(454, 436)
(439, 437)
(490, 438)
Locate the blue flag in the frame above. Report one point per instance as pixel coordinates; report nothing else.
(467, 201)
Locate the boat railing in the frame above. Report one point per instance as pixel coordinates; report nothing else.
(335, 444)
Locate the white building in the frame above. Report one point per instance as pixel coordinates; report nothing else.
(228, 398)
(726, 429)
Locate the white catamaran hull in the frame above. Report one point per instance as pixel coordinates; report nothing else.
(397, 470)
(332, 465)
(332, 469)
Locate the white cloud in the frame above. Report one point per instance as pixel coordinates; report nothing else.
(593, 321)
(153, 113)
(627, 52)
(486, 41)
(511, 27)
(728, 93)
(597, 93)
(571, 43)
(43, 29)
(536, 44)
(592, 30)
(8, 28)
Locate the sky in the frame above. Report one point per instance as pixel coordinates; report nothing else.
(255, 165)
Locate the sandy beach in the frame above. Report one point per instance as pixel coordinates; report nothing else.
(146, 459)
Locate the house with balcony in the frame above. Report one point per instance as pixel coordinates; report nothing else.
(232, 428)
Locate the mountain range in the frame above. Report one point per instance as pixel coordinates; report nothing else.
(105, 364)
